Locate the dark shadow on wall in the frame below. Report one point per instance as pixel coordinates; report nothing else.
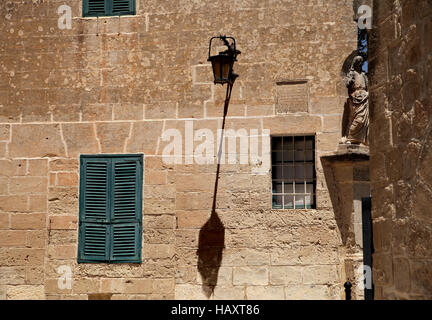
(211, 241)
(342, 209)
(210, 250)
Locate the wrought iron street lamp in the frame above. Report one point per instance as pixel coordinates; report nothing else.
(223, 62)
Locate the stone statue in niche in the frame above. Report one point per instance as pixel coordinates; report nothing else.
(355, 125)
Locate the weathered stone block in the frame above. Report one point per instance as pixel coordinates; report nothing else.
(288, 125)
(64, 252)
(63, 201)
(24, 292)
(12, 275)
(37, 203)
(307, 292)
(158, 251)
(9, 168)
(192, 219)
(144, 137)
(320, 275)
(265, 293)
(161, 110)
(126, 285)
(67, 179)
(189, 292)
(63, 165)
(156, 206)
(402, 276)
(12, 238)
(155, 177)
(86, 285)
(38, 167)
(35, 275)
(250, 276)
(4, 220)
(21, 256)
(285, 275)
(80, 138)
(36, 238)
(159, 222)
(195, 182)
(194, 201)
(4, 132)
(260, 110)
(128, 112)
(30, 221)
(36, 140)
(27, 185)
(229, 293)
(63, 222)
(112, 136)
(245, 257)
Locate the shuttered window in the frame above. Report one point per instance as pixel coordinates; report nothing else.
(94, 8)
(110, 222)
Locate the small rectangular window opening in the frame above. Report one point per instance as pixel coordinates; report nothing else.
(293, 172)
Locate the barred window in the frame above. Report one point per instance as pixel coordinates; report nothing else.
(293, 172)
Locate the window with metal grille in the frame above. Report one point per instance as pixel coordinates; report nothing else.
(293, 172)
(94, 8)
(110, 217)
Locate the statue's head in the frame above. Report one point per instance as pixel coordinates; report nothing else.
(357, 64)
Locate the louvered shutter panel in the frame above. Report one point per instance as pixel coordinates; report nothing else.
(126, 242)
(123, 7)
(95, 241)
(126, 213)
(94, 8)
(96, 193)
(94, 210)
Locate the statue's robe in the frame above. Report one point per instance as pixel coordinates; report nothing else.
(359, 109)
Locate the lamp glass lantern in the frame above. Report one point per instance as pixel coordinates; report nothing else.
(223, 63)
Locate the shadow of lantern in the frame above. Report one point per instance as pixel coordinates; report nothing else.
(210, 249)
(211, 242)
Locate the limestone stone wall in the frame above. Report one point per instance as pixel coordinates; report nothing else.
(401, 141)
(113, 85)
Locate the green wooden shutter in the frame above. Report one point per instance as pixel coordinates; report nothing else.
(94, 236)
(126, 210)
(95, 241)
(93, 8)
(110, 208)
(123, 7)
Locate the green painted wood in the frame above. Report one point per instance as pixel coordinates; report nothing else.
(111, 199)
(94, 209)
(120, 7)
(94, 8)
(96, 190)
(126, 190)
(126, 209)
(94, 242)
(126, 242)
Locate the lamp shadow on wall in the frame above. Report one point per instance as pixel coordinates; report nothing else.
(211, 241)
(210, 250)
